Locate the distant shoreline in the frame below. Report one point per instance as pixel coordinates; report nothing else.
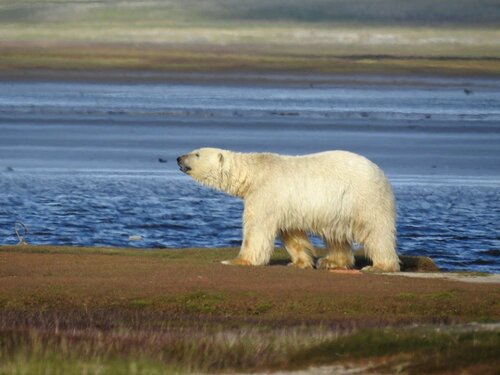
(247, 64)
(299, 79)
(382, 77)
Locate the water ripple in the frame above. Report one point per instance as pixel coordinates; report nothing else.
(456, 225)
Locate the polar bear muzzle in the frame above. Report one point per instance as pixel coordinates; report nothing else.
(181, 161)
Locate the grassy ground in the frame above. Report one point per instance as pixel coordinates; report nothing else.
(335, 36)
(73, 310)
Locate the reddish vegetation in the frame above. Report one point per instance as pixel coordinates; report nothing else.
(190, 282)
(64, 306)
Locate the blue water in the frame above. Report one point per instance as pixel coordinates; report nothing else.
(79, 161)
(456, 225)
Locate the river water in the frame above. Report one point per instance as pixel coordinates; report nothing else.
(94, 163)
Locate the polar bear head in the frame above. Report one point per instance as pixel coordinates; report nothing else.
(205, 165)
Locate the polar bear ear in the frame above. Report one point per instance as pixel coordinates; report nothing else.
(221, 159)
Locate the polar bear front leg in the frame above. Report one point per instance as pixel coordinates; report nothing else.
(299, 247)
(237, 262)
(259, 233)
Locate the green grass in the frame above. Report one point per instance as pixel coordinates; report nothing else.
(55, 363)
(424, 349)
(193, 254)
(201, 301)
(186, 349)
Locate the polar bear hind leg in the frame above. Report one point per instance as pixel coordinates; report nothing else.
(380, 247)
(299, 247)
(339, 256)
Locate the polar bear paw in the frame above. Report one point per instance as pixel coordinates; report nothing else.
(237, 262)
(332, 264)
(381, 269)
(371, 269)
(302, 264)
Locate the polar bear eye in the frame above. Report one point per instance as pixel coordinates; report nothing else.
(197, 155)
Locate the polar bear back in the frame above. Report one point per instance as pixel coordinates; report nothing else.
(323, 189)
(314, 175)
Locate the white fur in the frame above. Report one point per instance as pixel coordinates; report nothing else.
(338, 195)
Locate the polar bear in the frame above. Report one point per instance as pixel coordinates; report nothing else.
(340, 196)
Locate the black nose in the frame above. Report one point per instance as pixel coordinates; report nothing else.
(179, 159)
